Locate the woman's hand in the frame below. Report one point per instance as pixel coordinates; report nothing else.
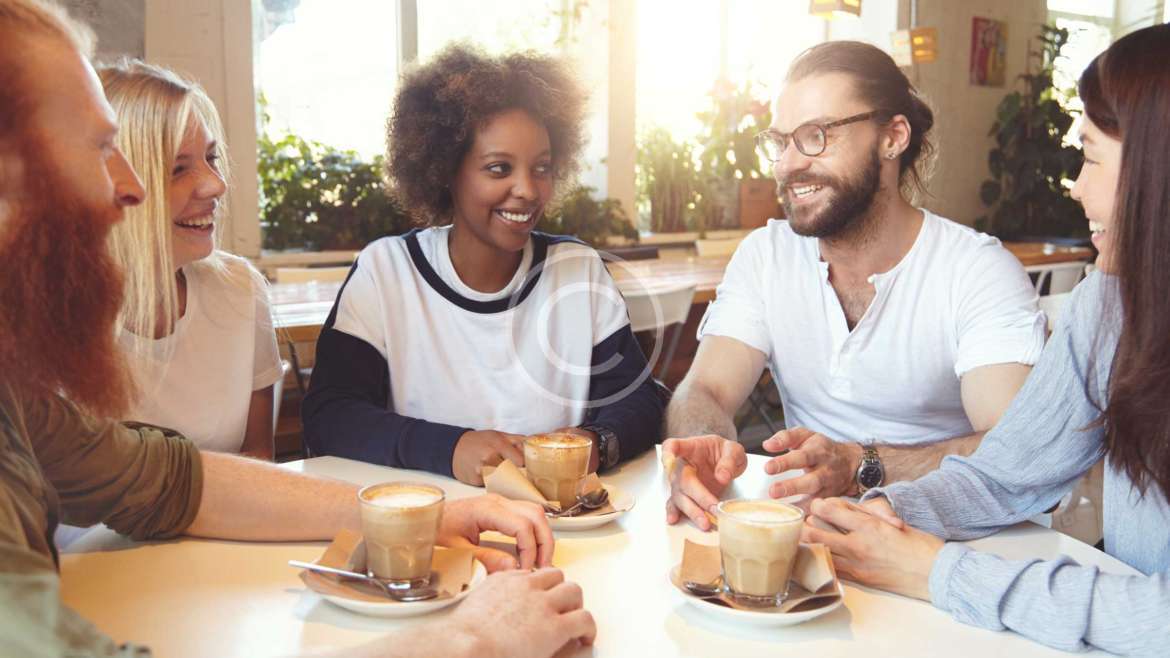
(871, 550)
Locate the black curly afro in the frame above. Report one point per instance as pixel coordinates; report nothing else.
(441, 104)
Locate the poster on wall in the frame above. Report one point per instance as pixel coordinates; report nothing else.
(120, 25)
(988, 52)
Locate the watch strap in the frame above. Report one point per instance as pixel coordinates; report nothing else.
(608, 448)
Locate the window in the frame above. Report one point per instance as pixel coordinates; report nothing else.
(681, 54)
(1090, 27)
(327, 70)
(573, 28)
(707, 73)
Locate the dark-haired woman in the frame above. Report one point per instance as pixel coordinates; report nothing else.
(1102, 388)
(448, 345)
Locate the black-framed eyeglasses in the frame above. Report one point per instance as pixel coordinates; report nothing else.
(810, 138)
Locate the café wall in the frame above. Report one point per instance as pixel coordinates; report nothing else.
(964, 112)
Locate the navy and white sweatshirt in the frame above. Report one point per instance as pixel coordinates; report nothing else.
(410, 358)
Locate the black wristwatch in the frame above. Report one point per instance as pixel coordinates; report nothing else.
(607, 446)
(870, 473)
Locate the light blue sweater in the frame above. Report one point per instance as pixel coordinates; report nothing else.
(1025, 464)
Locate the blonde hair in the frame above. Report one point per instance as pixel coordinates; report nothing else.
(154, 107)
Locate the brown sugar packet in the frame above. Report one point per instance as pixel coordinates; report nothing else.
(451, 571)
(813, 576)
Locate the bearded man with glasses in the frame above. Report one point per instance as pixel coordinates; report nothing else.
(895, 337)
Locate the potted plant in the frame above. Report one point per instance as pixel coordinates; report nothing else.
(313, 196)
(577, 213)
(669, 189)
(1030, 162)
(728, 160)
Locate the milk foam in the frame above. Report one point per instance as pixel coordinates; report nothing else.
(763, 513)
(400, 499)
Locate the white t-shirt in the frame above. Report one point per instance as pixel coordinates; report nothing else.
(516, 360)
(957, 301)
(199, 380)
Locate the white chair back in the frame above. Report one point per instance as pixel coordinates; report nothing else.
(673, 306)
(1060, 277)
(720, 247)
(1053, 305)
(310, 274)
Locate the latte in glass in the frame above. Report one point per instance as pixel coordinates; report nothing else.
(400, 522)
(758, 542)
(557, 464)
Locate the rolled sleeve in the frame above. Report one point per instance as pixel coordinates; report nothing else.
(142, 481)
(738, 310)
(998, 320)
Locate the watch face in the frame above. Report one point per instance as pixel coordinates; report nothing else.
(870, 476)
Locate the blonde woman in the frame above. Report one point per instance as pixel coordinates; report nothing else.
(195, 321)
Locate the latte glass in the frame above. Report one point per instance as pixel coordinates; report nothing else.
(400, 522)
(557, 465)
(758, 542)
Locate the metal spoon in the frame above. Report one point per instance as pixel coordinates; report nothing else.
(713, 589)
(587, 502)
(398, 594)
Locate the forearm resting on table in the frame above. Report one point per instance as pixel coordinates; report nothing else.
(251, 500)
(417, 642)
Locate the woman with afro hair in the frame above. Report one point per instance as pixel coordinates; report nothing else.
(449, 344)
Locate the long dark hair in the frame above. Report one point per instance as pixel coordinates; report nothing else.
(879, 82)
(1126, 91)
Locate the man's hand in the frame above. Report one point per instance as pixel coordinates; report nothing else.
(474, 450)
(830, 468)
(709, 464)
(521, 614)
(870, 550)
(463, 521)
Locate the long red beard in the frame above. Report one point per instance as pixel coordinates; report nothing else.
(60, 293)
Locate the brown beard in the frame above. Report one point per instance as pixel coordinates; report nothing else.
(60, 294)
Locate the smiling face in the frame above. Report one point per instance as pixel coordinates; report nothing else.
(504, 181)
(1096, 189)
(825, 195)
(193, 195)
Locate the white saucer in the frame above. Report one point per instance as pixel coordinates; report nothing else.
(750, 617)
(398, 609)
(621, 501)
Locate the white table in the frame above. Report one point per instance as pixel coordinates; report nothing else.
(214, 598)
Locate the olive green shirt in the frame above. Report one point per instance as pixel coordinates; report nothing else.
(56, 464)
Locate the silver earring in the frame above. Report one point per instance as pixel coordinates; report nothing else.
(891, 156)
